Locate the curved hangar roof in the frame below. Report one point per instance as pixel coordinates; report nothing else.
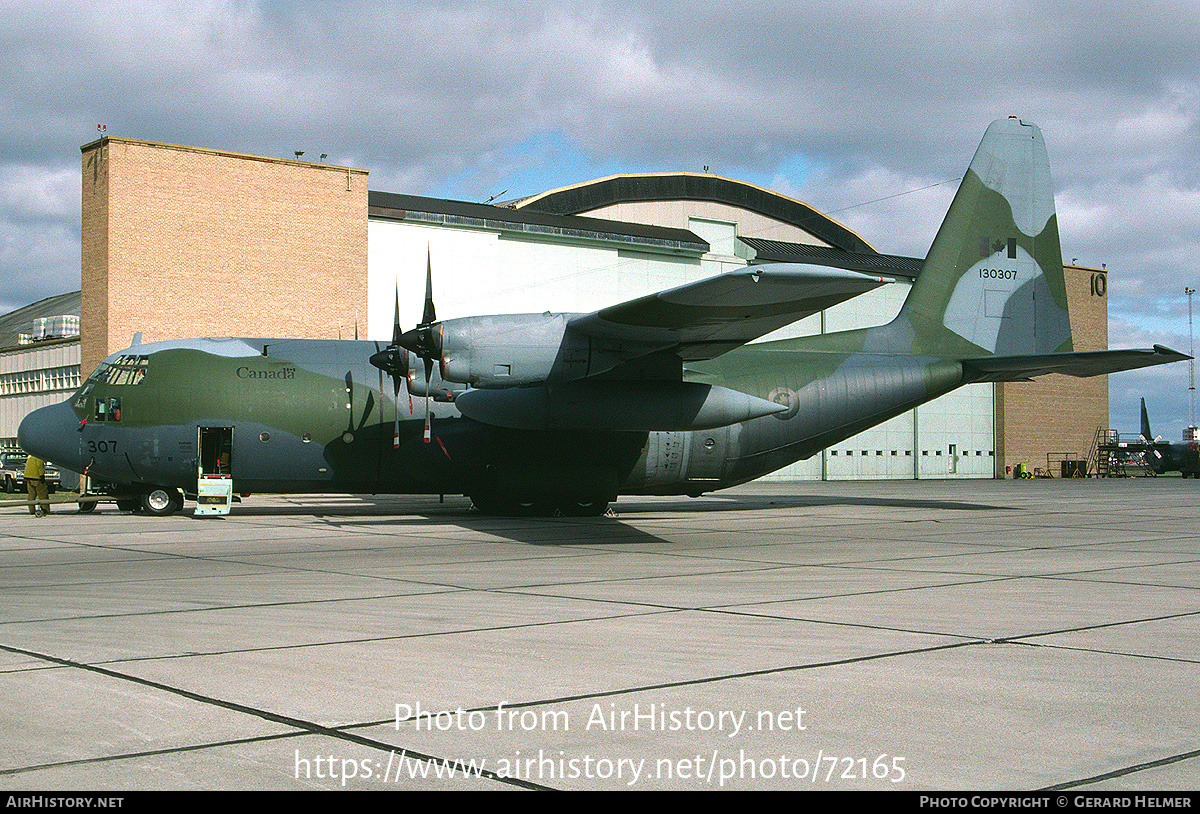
(616, 189)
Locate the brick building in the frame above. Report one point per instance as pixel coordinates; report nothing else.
(180, 241)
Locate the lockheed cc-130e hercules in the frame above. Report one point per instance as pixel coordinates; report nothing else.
(538, 413)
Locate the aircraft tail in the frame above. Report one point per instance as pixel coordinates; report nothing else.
(992, 284)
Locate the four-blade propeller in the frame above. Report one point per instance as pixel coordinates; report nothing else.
(424, 341)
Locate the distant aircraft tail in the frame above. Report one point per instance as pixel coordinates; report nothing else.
(993, 283)
(1147, 435)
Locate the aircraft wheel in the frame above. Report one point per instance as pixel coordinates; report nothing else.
(584, 508)
(160, 501)
(532, 508)
(487, 504)
(509, 507)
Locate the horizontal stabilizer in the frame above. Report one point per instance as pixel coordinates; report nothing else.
(704, 319)
(1087, 363)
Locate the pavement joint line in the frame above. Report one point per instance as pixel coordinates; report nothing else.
(1138, 767)
(196, 747)
(669, 685)
(267, 715)
(1100, 626)
(1099, 651)
(365, 640)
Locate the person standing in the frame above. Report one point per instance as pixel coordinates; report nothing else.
(35, 484)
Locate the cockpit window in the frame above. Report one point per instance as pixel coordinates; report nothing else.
(108, 409)
(82, 397)
(127, 369)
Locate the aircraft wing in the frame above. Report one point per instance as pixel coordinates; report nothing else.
(1086, 363)
(715, 315)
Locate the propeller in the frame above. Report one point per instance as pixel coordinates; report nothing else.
(424, 340)
(393, 360)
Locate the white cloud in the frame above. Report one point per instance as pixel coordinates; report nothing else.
(45, 193)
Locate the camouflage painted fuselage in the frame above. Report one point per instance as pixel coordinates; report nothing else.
(314, 416)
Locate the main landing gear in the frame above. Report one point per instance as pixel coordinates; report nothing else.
(538, 507)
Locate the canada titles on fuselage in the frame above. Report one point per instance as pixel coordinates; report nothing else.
(276, 373)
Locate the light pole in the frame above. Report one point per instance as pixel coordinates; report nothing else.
(1191, 430)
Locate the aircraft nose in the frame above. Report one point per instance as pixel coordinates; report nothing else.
(50, 434)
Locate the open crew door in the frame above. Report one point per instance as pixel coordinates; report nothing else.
(214, 486)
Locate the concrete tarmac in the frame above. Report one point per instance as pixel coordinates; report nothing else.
(948, 635)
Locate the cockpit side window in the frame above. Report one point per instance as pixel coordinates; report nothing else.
(81, 397)
(108, 409)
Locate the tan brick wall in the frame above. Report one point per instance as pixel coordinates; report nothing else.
(181, 242)
(1058, 415)
(93, 314)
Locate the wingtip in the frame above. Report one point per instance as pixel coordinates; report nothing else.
(1163, 350)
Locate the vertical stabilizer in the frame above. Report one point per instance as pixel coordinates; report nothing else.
(1147, 436)
(993, 281)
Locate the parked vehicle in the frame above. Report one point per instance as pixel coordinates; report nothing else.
(12, 472)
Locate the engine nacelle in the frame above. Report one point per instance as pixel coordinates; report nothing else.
(438, 388)
(513, 350)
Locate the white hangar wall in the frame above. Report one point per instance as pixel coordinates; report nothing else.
(489, 272)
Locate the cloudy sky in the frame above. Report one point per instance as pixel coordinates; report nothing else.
(868, 111)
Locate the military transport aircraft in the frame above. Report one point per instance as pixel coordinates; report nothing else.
(538, 413)
(1163, 456)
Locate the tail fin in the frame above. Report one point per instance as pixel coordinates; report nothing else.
(1147, 436)
(993, 281)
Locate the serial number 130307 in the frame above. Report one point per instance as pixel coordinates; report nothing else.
(998, 274)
